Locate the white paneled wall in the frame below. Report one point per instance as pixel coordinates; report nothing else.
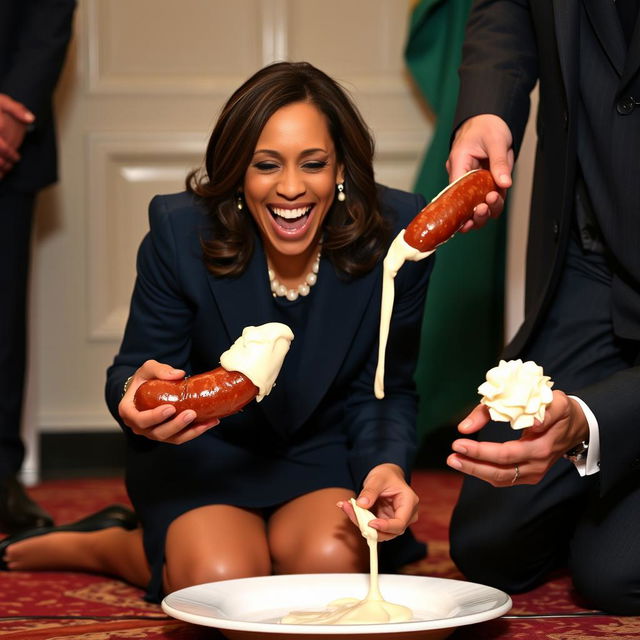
(142, 87)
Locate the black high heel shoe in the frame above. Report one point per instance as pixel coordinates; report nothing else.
(18, 511)
(115, 515)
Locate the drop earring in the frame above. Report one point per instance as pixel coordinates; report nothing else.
(239, 205)
(341, 194)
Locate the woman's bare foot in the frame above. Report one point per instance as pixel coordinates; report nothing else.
(66, 551)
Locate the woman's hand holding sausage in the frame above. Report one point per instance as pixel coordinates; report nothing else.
(160, 423)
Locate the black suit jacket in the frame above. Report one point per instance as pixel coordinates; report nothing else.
(34, 35)
(510, 45)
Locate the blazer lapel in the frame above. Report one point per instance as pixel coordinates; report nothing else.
(336, 311)
(633, 56)
(606, 25)
(566, 16)
(245, 300)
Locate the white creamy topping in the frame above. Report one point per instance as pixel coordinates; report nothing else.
(516, 392)
(258, 354)
(399, 252)
(352, 611)
(364, 517)
(374, 608)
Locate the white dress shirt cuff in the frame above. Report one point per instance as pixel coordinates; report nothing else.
(591, 464)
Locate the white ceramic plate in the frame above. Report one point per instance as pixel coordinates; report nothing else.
(256, 604)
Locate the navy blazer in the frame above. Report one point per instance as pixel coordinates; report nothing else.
(34, 35)
(323, 400)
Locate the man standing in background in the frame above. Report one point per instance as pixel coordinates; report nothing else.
(34, 35)
(524, 509)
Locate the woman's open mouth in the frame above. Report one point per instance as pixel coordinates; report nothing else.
(291, 220)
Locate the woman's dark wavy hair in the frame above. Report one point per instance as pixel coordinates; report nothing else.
(355, 231)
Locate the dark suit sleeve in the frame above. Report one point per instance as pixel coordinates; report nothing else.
(39, 54)
(384, 431)
(160, 321)
(615, 402)
(499, 65)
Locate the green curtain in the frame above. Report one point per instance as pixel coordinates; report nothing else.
(462, 328)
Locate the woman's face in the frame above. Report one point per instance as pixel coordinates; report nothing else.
(290, 183)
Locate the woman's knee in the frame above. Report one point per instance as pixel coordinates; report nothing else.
(213, 569)
(309, 535)
(215, 543)
(328, 554)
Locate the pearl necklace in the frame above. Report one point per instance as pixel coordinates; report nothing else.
(278, 289)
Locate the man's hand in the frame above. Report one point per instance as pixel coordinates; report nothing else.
(537, 449)
(14, 120)
(483, 141)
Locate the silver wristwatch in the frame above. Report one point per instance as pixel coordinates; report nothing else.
(577, 453)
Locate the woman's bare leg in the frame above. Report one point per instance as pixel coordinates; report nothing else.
(311, 535)
(112, 551)
(216, 542)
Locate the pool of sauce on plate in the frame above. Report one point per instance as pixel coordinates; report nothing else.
(373, 609)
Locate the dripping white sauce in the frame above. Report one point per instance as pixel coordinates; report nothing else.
(373, 608)
(399, 252)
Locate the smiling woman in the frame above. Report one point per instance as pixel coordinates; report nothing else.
(289, 188)
(319, 132)
(283, 224)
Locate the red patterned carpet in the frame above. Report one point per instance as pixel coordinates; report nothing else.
(48, 606)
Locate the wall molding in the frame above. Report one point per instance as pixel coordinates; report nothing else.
(76, 421)
(125, 159)
(220, 85)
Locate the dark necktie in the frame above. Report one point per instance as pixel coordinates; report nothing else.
(628, 13)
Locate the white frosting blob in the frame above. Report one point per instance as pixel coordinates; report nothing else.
(258, 354)
(400, 251)
(516, 392)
